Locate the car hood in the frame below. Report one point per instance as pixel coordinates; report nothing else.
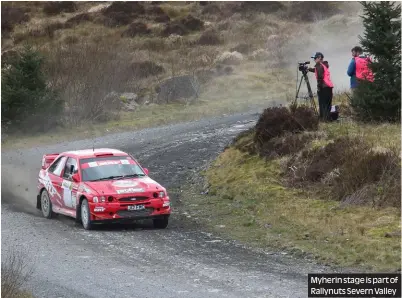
(125, 186)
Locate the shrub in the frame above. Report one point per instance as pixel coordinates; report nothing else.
(210, 37)
(162, 19)
(128, 7)
(380, 170)
(276, 121)
(26, 98)
(86, 73)
(158, 14)
(146, 69)
(115, 19)
(381, 100)
(174, 28)
(155, 10)
(57, 7)
(262, 6)
(192, 23)
(121, 13)
(135, 29)
(354, 172)
(78, 19)
(48, 30)
(288, 144)
(15, 272)
(10, 16)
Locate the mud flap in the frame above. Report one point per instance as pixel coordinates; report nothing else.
(38, 204)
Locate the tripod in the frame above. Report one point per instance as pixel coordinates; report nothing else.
(310, 92)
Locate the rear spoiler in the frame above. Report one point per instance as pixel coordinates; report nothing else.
(47, 159)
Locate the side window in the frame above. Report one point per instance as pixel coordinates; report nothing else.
(59, 167)
(55, 164)
(67, 169)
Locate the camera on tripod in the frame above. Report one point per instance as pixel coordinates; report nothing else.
(303, 66)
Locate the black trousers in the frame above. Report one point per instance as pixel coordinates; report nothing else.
(325, 103)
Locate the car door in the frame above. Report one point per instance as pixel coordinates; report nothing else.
(68, 186)
(54, 181)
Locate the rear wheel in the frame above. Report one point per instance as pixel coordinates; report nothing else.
(46, 204)
(85, 215)
(161, 223)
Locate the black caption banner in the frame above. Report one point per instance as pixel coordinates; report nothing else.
(354, 285)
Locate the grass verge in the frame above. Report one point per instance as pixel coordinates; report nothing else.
(248, 200)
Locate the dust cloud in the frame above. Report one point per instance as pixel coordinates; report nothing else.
(334, 37)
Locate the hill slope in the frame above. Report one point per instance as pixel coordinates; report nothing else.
(110, 58)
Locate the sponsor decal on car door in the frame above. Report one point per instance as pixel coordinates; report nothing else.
(68, 187)
(67, 190)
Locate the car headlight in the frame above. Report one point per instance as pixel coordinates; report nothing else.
(103, 199)
(95, 199)
(161, 194)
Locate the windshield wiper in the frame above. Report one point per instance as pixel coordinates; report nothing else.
(133, 175)
(108, 178)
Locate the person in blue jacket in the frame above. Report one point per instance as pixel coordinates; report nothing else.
(358, 68)
(356, 51)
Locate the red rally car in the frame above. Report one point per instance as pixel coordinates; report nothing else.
(100, 186)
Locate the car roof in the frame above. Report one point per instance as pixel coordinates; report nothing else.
(88, 153)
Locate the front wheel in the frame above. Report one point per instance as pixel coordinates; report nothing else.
(85, 215)
(161, 223)
(46, 204)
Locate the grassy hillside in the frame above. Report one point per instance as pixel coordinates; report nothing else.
(330, 192)
(237, 52)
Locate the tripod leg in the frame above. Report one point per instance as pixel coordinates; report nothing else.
(310, 93)
(298, 90)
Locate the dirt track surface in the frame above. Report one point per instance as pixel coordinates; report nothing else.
(181, 261)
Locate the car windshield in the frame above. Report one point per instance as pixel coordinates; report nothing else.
(109, 168)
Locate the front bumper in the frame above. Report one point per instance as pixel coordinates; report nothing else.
(127, 220)
(118, 211)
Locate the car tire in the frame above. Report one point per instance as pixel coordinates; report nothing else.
(46, 205)
(161, 223)
(85, 215)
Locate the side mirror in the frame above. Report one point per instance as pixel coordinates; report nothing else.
(75, 177)
(146, 171)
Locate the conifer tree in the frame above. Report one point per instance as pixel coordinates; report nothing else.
(381, 100)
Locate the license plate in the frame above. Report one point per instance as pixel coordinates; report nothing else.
(136, 207)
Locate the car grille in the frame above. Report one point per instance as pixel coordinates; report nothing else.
(136, 213)
(130, 199)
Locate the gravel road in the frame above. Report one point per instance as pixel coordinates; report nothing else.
(181, 261)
